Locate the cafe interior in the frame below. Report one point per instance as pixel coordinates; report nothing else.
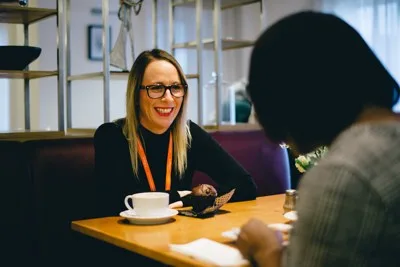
(64, 72)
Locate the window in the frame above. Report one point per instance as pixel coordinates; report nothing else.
(378, 21)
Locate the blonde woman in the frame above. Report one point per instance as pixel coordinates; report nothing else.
(155, 148)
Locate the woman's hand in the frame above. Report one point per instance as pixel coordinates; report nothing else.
(184, 193)
(204, 190)
(261, 244)
(176, 205)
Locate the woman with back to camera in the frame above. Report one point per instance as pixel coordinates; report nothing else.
(155, 130)
(316, 65)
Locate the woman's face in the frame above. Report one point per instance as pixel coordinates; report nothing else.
(157, 115)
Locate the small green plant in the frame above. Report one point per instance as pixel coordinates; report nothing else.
(307, 161)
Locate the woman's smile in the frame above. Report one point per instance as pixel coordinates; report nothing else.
(164, 112)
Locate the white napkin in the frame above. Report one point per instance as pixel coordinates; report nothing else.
(212, 252)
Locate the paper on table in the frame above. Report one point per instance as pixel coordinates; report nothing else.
(283, 228)
(212, 252)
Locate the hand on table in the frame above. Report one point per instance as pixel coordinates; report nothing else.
(259, 243)
(176, 205)
(200, 190)
(204, 190)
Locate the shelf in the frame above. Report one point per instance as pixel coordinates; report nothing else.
(89, 132)
(23, 135)
(21, 74)
(98, 75)
(227, 44)
(225, 4)
(24, 15)
(113, 74)
(30, 134)
(235, 127)
(192, 76)
(81, 132)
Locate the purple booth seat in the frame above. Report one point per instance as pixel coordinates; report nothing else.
(49, 183)
(16, 204)
(267, 163)
(62, 174)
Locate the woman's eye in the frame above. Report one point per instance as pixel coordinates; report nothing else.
(176, 87)
(157, 88)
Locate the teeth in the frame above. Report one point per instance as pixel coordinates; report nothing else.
(164, 110)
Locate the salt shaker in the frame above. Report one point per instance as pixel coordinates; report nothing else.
(290, 200)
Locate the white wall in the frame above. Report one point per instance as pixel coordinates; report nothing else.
(87, 103)
(276, 9)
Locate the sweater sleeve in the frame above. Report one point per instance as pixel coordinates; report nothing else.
(114, 176)
(220, 166)
(343, 220)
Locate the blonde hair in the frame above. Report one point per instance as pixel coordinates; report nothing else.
(180, 129)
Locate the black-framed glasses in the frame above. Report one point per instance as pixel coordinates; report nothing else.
(158, 90)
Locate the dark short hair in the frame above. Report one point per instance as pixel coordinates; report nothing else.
(311, 75)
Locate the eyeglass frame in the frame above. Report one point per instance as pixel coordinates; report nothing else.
(166, 87)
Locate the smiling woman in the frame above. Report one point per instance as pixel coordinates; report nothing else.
(155, 148)
(159, 106)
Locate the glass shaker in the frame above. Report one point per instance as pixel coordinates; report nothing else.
(290, 200)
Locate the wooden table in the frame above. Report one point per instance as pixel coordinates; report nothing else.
(152, 241)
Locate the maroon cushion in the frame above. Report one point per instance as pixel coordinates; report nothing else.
(266, 162)
(16, 204)
(62, 172)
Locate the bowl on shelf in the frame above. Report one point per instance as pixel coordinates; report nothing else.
(15, 57)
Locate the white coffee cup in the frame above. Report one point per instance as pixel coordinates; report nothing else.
(148, 204)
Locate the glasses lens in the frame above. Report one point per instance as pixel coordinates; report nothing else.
(156, 91)
(177, 90)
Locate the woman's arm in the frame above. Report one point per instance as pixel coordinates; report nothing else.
(113, 168)
(341, 220)
(214, 161)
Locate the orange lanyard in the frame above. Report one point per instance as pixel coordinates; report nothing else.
(147, 170)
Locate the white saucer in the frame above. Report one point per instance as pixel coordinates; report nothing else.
(131, 216)
(291, 215)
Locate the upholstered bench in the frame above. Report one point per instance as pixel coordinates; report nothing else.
(48, 183)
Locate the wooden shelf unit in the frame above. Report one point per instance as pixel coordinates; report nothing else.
(22, 74)
(113, 75)
(227, 44)
(24, 15)
(217, 44)
(225, 4)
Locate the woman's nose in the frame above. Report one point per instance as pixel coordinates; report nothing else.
(168, 96)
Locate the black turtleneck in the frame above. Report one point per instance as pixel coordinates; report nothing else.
(115, 178)
(156, 150)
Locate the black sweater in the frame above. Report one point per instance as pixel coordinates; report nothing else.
(115, 177)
